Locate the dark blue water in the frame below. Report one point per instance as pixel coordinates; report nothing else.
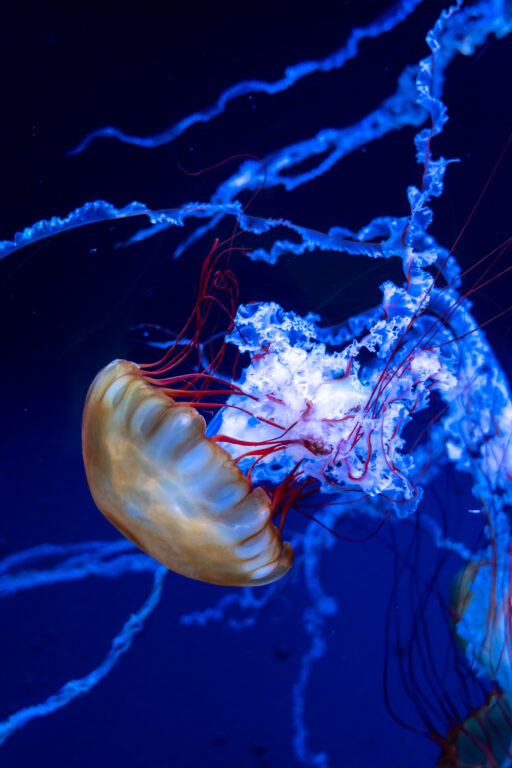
(186, 697)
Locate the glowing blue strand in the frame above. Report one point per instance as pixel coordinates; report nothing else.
(467, 30)
(43, 551)
(442, 542)
(89, 549)
(337, 239)
(171, 218)
(408, 106)
(196, 235)
(244, 600)
(372, 127)
(135, 563)
(322, 606)
(78, 562)
(101, 210)
(301, 732)
(405, 107)
(331, 145)
(89, 213)
(216, 613)
(74, 688)
(292, 75)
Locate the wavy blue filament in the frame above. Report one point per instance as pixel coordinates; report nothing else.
(74, 688)
(292, 75)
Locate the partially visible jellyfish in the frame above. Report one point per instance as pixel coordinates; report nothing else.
(483, 738)
(473, 723)
(482, 614)
(454, 685)
(310, 416)
(482, 625)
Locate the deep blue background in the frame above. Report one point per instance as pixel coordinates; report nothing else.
(208, 697)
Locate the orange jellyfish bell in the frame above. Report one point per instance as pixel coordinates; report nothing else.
(171, 490)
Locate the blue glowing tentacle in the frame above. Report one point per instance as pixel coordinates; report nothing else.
(75, 569)
(458, 30)
(416, 95)
(101, 210)
(89, 213)
(301, 732)
(25, 569)
(43, 551)
(246, 601)
(413, 98)
(445, 41)
(338, 239)
(331, 145)
(316, 539)
(293, 74)
(74, 688)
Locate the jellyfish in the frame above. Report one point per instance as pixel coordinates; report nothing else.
(164, 484)
(442, 694)
(481, 620)
(457, 692)
(484, 736)
(327, 419)
(477, 721)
